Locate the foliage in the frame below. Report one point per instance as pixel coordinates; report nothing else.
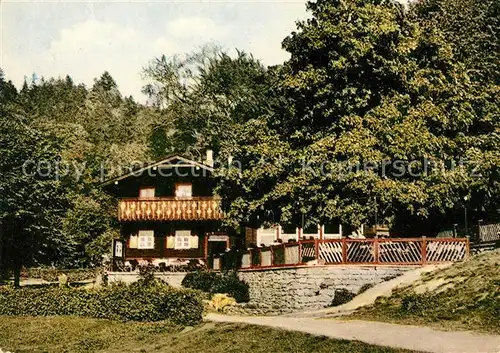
(231, 260)
(89, 223)
(279, 255)
(51, 274)
(342, 296)
(32, 203)
(370, 97)
(201, 280)
(473, 26)
(138, 302)
(368, 82)
(365, 287)
(212, 282)
(147, 276)
(220, 301)
(91, 134)
(207, 95)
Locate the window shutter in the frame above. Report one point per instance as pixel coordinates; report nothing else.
(170, 242)
(193, 242)
(133, 242)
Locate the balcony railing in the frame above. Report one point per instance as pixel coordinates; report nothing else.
(402, 251)
(169, 208)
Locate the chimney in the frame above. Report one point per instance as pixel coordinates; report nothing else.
(210, 158)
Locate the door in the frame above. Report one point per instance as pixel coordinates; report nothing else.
(217, 245)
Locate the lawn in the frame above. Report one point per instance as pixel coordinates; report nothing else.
(73, 334)
(465, 296)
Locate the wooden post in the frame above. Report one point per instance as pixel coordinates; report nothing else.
(316, 248)
(300, 252)
(205, 244)
(278, 233)
(321, 232)
(271, 248)
(376, 255)
(467, 247)
(424, 250)
(299, 232)
(344, 250)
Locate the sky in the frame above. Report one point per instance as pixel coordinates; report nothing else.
(86, 38)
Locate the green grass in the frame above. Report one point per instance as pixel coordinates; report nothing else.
(73, 334)
(465, 296)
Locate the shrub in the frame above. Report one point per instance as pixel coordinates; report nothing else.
(212, 282)
(416, 304)
(279, 255)
(202, 280)
(230, 284)
(220, 301)
(52, 274)
(130, 303)
(365, 287)
(342, 296)
(231, 260)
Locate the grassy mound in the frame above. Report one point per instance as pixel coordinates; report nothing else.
(463, 296)
(73, 334)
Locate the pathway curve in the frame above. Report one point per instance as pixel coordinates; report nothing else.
(377, 333)
(369, 296)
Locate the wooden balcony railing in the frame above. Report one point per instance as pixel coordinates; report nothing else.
(402, 251)
(169, 208)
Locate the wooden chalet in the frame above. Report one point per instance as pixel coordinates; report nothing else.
(168, 211)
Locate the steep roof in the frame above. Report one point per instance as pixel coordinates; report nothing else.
(174, 161)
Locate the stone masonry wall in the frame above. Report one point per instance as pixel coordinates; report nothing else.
(306, 288)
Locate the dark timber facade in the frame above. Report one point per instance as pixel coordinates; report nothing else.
(168, 211)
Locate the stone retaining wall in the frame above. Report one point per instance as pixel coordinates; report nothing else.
(305, 288)
(282, 290)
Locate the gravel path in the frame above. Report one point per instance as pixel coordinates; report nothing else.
(377, 333)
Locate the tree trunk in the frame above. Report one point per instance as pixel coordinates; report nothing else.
(2, 267)
(17, 276)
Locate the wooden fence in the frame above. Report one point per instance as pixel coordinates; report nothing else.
(401, 251)
(489, 232)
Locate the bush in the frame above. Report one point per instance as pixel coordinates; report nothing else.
(220, 301)
(201, 280)
(342, 296)
(129, 303)
(416, 304)
(52, 274)
(279, 255)
(212, 282)
(365, 287)
(231, 260)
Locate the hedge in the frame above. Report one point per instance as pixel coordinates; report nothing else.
(212, 282)
(118, 302)
(52, 274)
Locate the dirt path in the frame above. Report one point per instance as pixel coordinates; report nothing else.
(382, 334)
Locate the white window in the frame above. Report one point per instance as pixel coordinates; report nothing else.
(146, 239)
(183, 190)
(146, 193)
(182, 238)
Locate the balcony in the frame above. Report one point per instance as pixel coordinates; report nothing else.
(169, 209)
